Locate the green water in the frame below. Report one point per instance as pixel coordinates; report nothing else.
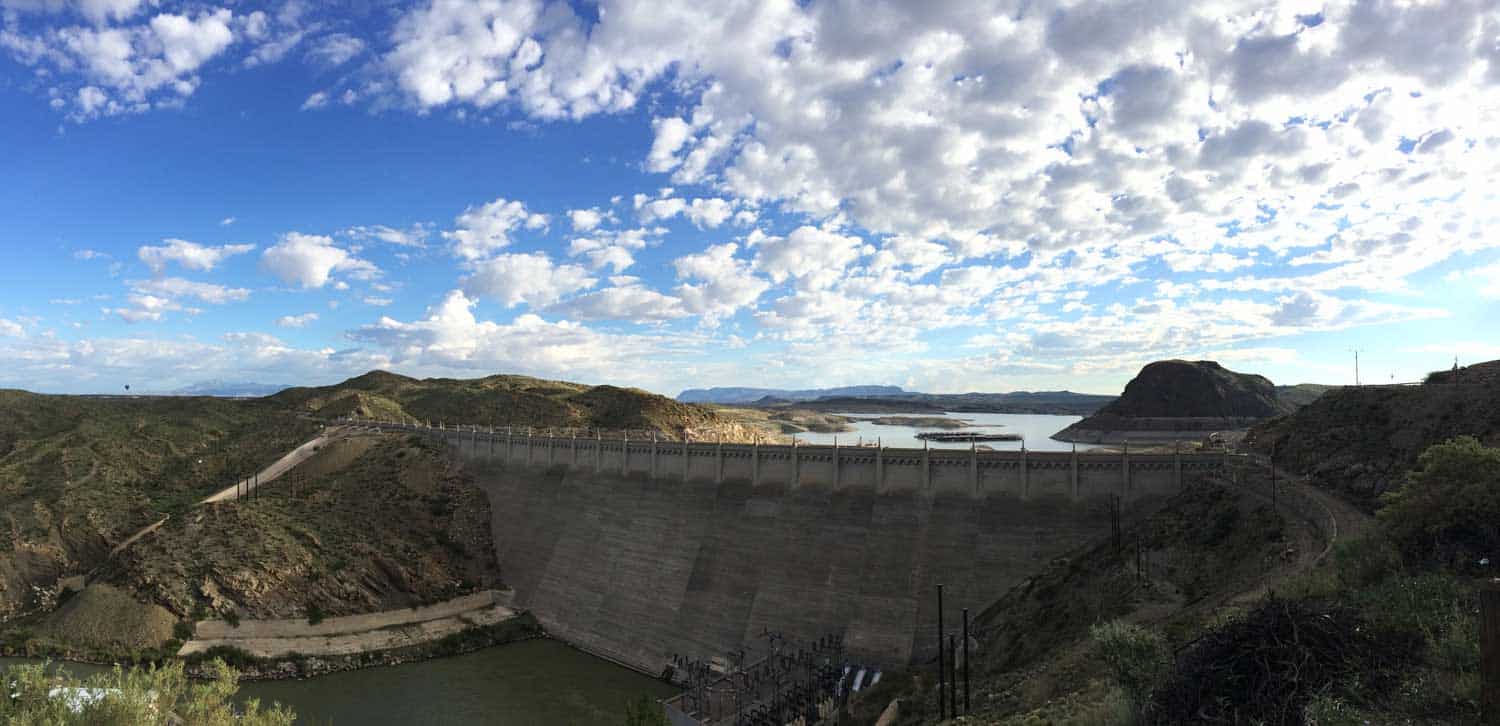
(541, 682)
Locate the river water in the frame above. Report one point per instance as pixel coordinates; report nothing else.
(1037, 430)
(519, 684)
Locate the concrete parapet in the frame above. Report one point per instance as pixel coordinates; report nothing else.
(978, 474)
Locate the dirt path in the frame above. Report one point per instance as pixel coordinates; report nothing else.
(275, 470)
(1319, 519)
(354, 633)
(269, 474)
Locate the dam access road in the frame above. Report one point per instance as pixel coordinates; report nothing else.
(642, 550)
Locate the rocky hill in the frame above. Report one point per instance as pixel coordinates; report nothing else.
(1174, 399)
(78, 474)
(1361, 440)
(500, 401)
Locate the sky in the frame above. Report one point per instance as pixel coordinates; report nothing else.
(945, 196)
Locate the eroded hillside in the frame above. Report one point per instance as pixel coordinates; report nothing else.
(80, 474)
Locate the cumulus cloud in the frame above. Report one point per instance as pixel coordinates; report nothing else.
(530, 279)
(11, 328)
(189, 255)
(484, 230)
(716, 283)
(625, 300)
(814, 257)
(584, 220)
(296, 321)
(109, 70)
(450, 337)
(310, 261)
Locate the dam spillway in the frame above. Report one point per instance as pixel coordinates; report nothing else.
(638, 550)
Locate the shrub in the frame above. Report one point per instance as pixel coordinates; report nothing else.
(1138, 657)
(314, 613)
(183, 630)
(1448, 511)
(1364, 561)
(132, 696)
(644, 711)
(1270, 665)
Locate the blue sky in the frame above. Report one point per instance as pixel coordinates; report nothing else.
(961, 196)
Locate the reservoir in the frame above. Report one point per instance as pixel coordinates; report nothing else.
(520, 684)
(1035, 429)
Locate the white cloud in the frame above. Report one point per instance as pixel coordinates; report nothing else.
(309, 261)
(450, 337)
(11, 328)
(584, 220)
(532, 279)
(176, 287)
(378, 302)
(336, 49)
(90, 255)
(414, 236)
(296, 321)
(225, 222)
(111, 70)
(814, 257)
(716, 283)
(628, 301)
(318, 99)
(189, 255)
(482, 231)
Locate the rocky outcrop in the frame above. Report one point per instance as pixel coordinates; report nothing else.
(1178, 399)
(1361, 440)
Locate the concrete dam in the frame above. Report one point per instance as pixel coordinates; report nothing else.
(638, 550)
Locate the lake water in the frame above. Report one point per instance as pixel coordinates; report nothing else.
(1036, 429)
(519, 684)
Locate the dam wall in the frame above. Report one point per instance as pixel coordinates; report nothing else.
(642, 550)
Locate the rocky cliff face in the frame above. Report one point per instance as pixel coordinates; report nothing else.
(1175, 399)
(1362, 440)
(1179, 388)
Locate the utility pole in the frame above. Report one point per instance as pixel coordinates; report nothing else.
(1489, 653)
(942, 662)
(966, 661)
(1356, 352)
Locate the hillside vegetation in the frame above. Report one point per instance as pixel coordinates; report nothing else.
(79, 474)
(499, 401)
(1361, 440)
(377, 522)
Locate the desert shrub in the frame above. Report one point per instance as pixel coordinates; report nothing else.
(183, 630)
(1448, 511)
(1137, 657)
(315, 613)
(126, 697)
(1270, 665)
(1364, 561)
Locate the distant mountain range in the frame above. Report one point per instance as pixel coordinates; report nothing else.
(230, 389)
(885, 399)
(751, 395)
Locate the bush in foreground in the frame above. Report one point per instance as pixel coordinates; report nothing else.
(129, 697)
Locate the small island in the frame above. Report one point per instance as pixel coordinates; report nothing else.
(950, 436)
(920, 422)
